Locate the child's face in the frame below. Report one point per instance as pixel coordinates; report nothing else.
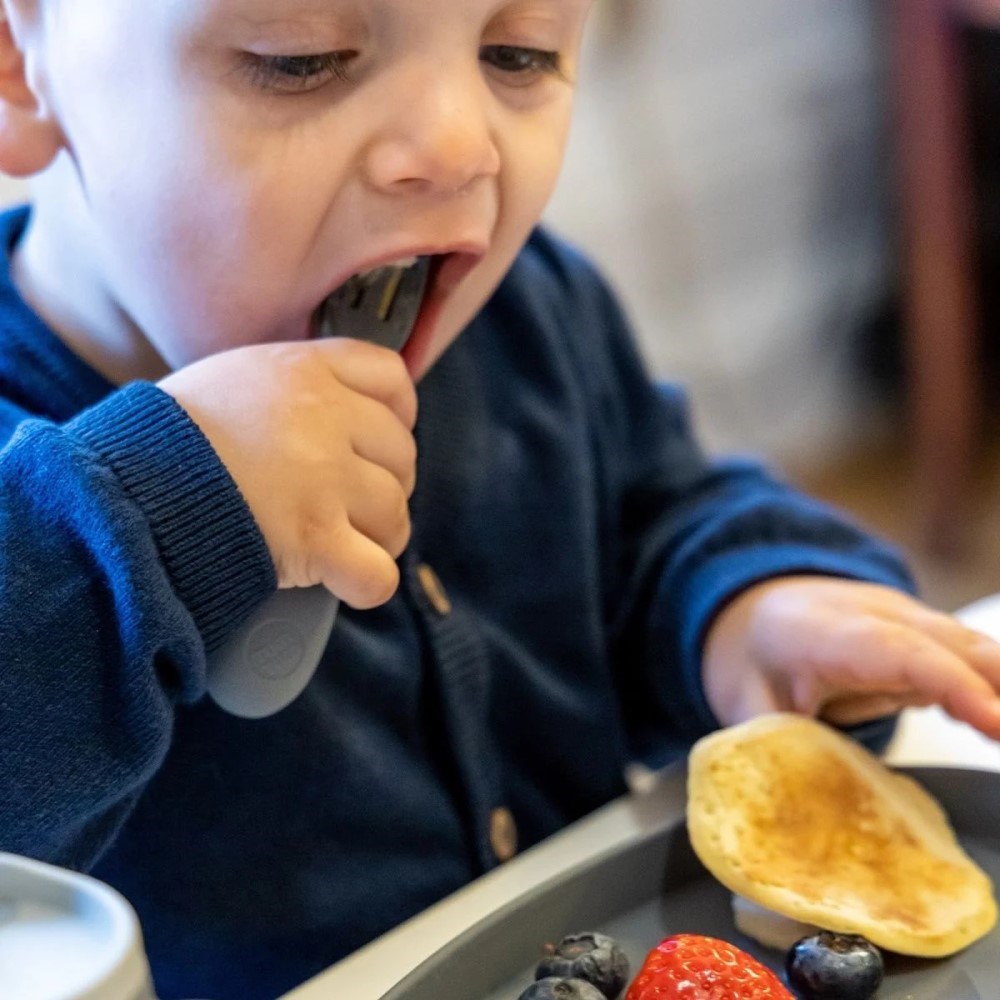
(231, 162)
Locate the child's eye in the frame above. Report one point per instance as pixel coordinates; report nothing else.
(296, 74)
(523, 64)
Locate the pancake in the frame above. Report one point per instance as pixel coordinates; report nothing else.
(798, 818)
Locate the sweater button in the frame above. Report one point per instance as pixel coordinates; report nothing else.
(503, 834)
(433, 590)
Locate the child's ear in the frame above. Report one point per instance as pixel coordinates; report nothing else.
(30, 137)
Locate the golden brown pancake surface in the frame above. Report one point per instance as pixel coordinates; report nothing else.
(798, 818)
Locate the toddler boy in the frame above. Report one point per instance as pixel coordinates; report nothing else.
(544, 578)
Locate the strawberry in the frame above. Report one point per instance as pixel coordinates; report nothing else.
(692, 967)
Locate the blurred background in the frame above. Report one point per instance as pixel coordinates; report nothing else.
(798, 202)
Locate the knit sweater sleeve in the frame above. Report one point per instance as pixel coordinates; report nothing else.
(685, 533)
(127, 551)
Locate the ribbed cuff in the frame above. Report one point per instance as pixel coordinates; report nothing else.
(209, 541)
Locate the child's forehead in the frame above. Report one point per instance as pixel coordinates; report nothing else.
(342, 23)
(200, 30)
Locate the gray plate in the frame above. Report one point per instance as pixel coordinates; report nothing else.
(657, 887)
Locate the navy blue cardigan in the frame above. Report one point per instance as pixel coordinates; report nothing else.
(584, 543)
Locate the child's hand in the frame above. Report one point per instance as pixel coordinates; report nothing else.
(317, 435)
(847, 652)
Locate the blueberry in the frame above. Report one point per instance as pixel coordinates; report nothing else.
(830, 966)
(594, 957)
(557, 988)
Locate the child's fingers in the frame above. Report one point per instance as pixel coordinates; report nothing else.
(357, 570)
(379, 437)
(980, 651)
(888, 658)
(378, 507)
(372, 371)
(853, 709)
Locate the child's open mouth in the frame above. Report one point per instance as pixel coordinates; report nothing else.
(380, 305)
(395, 305)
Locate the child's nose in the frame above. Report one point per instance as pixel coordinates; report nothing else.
(440, 140)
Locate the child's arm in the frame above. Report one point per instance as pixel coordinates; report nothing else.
(846, 651)
(682, 534)
(128, 550)
(126, 547)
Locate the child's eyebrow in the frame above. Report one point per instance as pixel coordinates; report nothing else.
(568, 10)
(295, 19)
(299, 17)
(268, 12)
(263, 11)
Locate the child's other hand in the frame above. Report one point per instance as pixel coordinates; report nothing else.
(318, 437)
(846, 652)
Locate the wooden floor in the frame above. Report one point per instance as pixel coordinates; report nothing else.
(877, 486)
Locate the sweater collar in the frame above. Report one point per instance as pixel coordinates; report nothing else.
(36, 368)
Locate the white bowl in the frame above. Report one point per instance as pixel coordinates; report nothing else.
(66, 936)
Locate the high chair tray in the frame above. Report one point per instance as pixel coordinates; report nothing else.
(655, 886)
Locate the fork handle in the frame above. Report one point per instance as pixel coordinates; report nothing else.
(273, 654)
